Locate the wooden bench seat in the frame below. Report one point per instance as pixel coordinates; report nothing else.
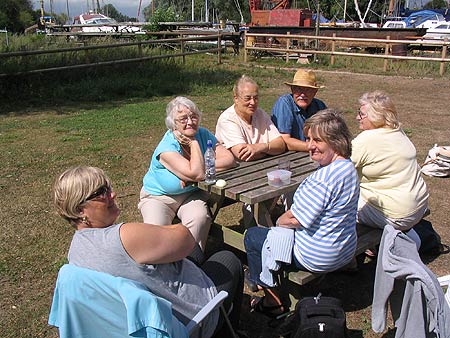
(367, 238)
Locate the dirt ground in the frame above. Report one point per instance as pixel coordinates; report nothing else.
(424, 113)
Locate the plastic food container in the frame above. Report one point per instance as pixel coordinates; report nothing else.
(279, 177)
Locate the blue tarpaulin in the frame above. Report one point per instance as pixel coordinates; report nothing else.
(417, 18)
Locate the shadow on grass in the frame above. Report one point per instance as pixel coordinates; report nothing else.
(64, 92)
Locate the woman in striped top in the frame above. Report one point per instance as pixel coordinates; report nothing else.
(323, 215)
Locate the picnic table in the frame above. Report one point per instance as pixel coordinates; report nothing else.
(247, 183)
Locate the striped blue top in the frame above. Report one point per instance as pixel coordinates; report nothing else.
(325, 204)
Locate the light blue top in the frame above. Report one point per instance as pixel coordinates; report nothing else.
(325, 204)
(159, 180)
(88, 303)
(290, 118)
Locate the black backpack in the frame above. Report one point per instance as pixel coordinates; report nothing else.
(321, 317)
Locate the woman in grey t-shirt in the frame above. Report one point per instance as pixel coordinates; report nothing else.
(151, 254)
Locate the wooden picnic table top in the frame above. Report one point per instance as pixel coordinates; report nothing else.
(248, 183)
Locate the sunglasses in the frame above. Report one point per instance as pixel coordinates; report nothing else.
(101, 194)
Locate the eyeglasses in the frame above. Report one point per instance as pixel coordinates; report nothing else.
(101, 194)
(361, 114)
(184, 119)
(248, 98)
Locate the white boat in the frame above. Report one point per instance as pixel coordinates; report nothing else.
(440, 31)
(421, 19)
(99, 23)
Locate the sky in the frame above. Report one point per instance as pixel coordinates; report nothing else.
(77, 7)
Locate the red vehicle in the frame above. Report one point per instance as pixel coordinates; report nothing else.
(278, 13)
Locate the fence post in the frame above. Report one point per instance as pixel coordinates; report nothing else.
(288, 42)
(86, 53)
(444, 55)
(386, 52)
(140, 49)
(333, 48)
(245, 46)
(219, 52)
(182, 48)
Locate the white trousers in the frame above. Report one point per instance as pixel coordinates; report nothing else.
(371, 216)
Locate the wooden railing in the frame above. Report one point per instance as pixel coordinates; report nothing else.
(286, 47)
(180, 42)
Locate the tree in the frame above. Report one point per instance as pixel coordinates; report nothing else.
(223, 9)
(112, 12)
(160, 15)
(436, 4)
(16, 15)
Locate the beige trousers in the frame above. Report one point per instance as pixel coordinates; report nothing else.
(191, 208)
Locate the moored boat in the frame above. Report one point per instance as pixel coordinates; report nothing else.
(100, 23)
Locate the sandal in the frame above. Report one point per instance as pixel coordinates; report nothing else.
(372, 252)
(257, 305)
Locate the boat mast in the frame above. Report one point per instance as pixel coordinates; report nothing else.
(345, 9)
(42, 12)
(391, 7)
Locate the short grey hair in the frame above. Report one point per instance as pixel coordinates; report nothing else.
(330, 126)
(380, 109)
(73, 187)
(240, 82)
(175, 106)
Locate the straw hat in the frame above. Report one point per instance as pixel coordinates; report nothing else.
(304, 78)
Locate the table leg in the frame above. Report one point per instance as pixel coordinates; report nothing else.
(215, 204)
(263, 210)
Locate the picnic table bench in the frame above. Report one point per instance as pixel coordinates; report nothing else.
(247, 183)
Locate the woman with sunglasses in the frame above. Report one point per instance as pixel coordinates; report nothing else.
(177, 161)
(150, 254)
(392, 189)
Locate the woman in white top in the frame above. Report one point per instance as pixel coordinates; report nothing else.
(391, 188)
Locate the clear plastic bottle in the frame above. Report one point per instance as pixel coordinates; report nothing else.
(210, 164)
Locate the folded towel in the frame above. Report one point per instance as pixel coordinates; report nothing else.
(277, 248)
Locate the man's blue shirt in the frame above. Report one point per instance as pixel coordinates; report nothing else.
(290, 118)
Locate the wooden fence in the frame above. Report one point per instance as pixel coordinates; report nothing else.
(180, 41)
(287, 47)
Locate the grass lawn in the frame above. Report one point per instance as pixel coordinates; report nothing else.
(41, 138)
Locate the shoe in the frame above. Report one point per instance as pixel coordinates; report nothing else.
(274, 311)
(253, 287)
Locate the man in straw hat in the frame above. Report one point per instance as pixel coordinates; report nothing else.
(291, 110)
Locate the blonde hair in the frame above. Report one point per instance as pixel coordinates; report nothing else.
(73, 187)
(244, 79)
(380, 109)
(331, 127)
(175, 106)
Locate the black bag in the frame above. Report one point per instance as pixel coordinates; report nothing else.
(321, 317)
(430, 239)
